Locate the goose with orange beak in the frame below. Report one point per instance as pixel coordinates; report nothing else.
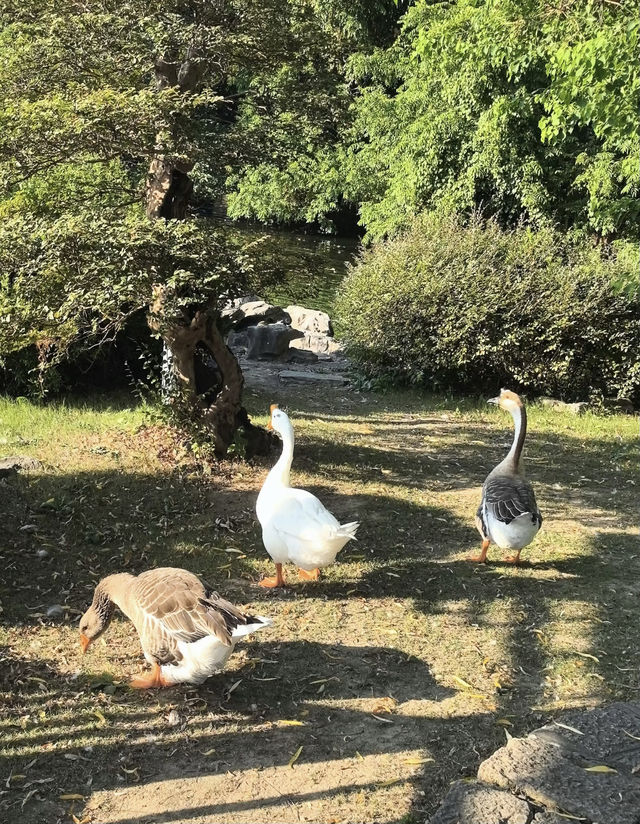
(296, 527)
(187, 631)
(508, 515)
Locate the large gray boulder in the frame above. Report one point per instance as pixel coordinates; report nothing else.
(318, 343)
(309, 320)
(584, 767)
(474, 803)
(252, 312)
(269, 341)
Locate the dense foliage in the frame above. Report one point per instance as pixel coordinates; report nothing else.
(99, 103)
(476, 307)
(522, 108)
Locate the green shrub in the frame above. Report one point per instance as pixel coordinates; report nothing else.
(474, 307)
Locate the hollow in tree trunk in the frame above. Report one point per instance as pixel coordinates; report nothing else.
(225, 414)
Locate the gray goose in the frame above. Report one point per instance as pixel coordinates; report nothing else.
(187, 631)
(508, 514)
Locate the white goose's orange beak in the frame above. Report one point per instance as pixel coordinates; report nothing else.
(271, 408)
(84, 642)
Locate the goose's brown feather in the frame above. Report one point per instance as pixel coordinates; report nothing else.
(174, 605)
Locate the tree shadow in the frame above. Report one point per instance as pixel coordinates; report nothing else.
(93, 523)
(77, 736)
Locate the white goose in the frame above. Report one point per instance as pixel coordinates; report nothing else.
(296, 527)
(508, 514)
(186, 630)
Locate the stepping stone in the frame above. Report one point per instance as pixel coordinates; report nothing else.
(15, 463)
(550, 772)
(297, 376)
(474, 803)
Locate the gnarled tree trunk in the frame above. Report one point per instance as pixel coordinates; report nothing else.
(169, 190)
(225, 414)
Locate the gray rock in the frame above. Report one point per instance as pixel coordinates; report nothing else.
(560, 406)
(300, 356)
(600, 736)
(318, 343)
(474, 803)
(269, 341)
(549, 772)
(238, 340)
(253, 312)
(41, 554)
(296, 376)
(234, 304)
(309, 320)
(17, 463)
(619, 405)
(556, 779)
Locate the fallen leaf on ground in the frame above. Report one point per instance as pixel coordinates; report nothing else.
(385, 705)
(588, 655)
(71, 797)
(287, 723)
(418, 760)
(600, 768)
(295, 756)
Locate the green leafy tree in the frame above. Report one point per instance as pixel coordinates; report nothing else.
(524, 109)
(106, 107)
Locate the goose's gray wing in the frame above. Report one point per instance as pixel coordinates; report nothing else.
(507, 497)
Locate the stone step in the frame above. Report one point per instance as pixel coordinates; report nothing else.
(307, 377)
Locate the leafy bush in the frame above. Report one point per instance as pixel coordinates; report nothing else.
(474, 307)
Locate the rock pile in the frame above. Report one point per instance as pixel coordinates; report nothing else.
(263, 331)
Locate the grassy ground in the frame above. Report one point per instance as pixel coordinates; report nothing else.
(377, 686)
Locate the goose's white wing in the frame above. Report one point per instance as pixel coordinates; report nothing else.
(311, 534)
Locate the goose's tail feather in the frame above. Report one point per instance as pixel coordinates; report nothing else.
(348, 530)
(254, 623)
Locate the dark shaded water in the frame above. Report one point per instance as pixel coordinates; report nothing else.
(322, 268)
(315, 265)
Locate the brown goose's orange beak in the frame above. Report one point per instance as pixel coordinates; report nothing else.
(271, 408)
(84, 642)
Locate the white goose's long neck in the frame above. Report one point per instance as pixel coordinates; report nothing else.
(280, 472)
(520, 431)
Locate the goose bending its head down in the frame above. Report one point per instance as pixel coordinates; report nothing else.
(187, 631)
(296, 527)
(508, 514)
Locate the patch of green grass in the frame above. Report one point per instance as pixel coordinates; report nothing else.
(401, 667)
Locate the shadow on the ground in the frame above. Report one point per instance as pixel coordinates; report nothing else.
(91, 524)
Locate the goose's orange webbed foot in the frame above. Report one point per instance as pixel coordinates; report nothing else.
(151, 681)
(513, 559)
(480, 559)
(313, 575)
(276, 581)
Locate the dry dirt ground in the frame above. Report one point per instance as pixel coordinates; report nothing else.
(378, 685)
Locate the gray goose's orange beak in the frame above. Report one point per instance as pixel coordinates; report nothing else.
(84, 642)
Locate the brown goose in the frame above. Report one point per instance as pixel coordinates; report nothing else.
(508, 514)
(187, 631)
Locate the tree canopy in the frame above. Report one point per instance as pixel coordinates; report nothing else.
(524, 109)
